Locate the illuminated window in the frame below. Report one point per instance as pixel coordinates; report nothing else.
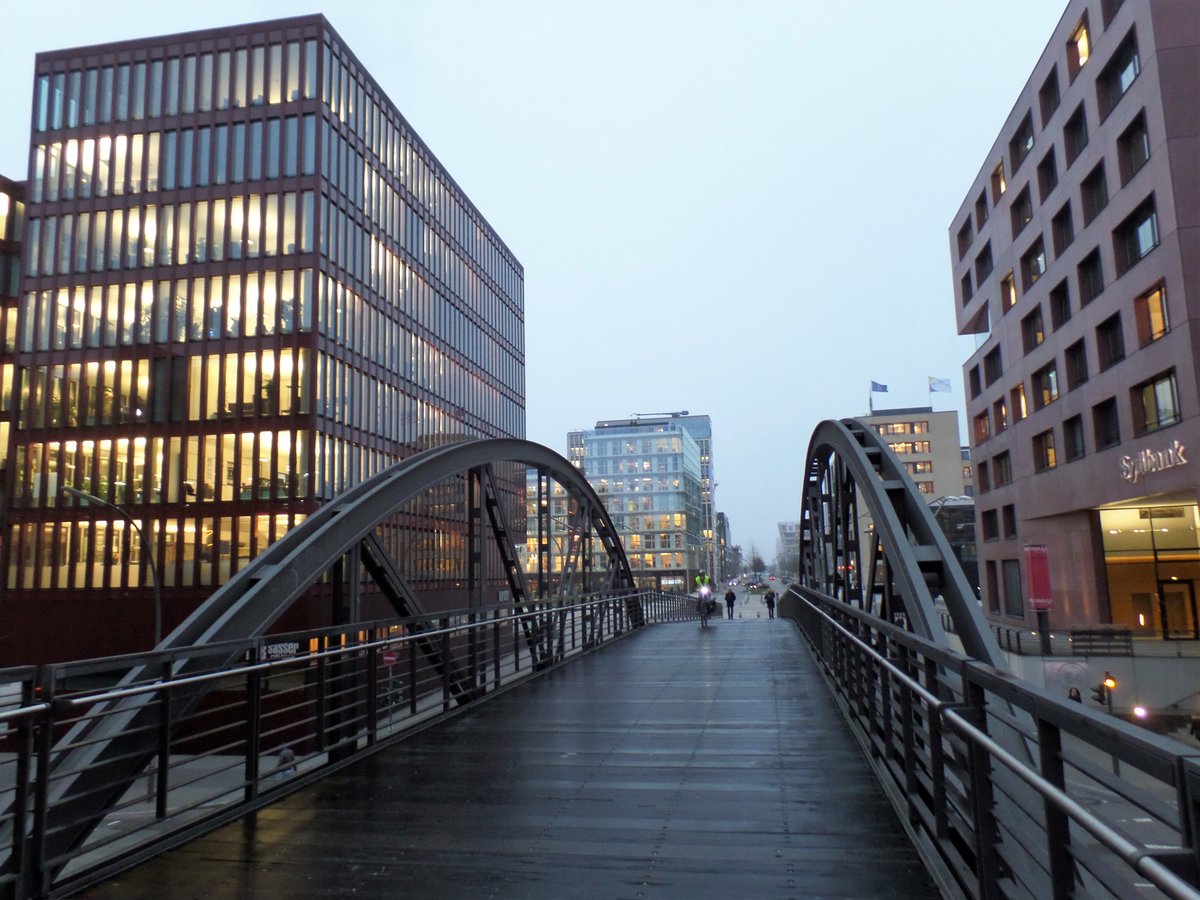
(1079, 48)
(1008, 292)
(998, 184)
(1155, 403)
(1045, 386)
(1150, 310)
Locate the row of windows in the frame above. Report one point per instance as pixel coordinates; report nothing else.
(167, 87)
(921, 426)
(349, 320)
(247, 465)
(1154, 404)
(167, 311)
(349, 96)
(196, 551)
(256, 225)
(629, 466)
(115, 165)
(12, 218)
(369, 252)
(1111, 85)
(178, 389)
(1151, 321)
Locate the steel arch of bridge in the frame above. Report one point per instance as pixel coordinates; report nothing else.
(906, 563)
(108, 753)
(256, 596)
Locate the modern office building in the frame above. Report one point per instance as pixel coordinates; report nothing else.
(648, 473)
(248, 285)
(1076, 264)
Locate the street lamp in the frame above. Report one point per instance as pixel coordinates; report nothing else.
(92, 498)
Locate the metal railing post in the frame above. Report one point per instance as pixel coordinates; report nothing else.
(1057, 824)
(445, 624)
(372, 693)
(253, 728)
(26, 730)
(163, 781)
(36, 875)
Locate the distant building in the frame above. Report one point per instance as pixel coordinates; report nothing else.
(929, 447)
(12, 228)
(787, 549)
(649, 472)
(1074, 266)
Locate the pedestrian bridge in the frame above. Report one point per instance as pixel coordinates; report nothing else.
(590, 740)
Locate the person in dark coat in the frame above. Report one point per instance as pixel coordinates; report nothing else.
(730, 599)
(769, 599)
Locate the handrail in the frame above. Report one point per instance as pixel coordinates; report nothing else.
(358, 689)
(882, 675)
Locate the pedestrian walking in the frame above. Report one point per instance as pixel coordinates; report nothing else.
(730, 600)
(769, 599)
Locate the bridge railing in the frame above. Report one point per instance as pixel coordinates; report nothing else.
(295, 707)
(1007, 789)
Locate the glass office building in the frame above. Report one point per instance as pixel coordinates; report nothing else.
(648, 473)
(248, 285)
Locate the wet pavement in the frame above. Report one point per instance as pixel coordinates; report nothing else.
(679, 762)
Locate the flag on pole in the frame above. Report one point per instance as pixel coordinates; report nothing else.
(877, 388)
(939, 385)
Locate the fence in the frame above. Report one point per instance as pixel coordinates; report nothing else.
(1008, 791)
(155, 759)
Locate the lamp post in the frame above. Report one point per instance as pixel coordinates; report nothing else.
(92, 498)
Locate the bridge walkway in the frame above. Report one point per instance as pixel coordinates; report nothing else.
(679, 762)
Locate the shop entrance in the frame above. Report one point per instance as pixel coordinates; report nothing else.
(1177, 606)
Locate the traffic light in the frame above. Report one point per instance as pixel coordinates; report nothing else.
(1109, 682)
(1100, 693)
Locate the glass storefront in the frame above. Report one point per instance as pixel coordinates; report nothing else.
(1152, 559)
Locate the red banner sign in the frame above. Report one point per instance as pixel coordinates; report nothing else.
(1037, 576)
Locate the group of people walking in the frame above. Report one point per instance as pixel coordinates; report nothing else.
(704, 588)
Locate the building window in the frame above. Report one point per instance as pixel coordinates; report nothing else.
(983, 264)
(1002, 468)
(993, 366)
(1008, 516)
(1047, 174)
(925, 487)
(1022, 142)
(1094, 192)
(988, 522)
(964, 238)
(1033, 264)
(1008, 292)
(981, 432)
(999, 186)
(1060, 304)
(981, 211)
(1049, 96)
(1136, 236)
(1021, 211)
(1075, 134)
(983, 476)
(1091, 277)
(1076, 363)
(1105, 425)
(1073, 447)
(993, 587)
(1016, 399)
(968, 291)
(1044, 456)
(1079, 48)
(1062, 230)
(1000, 414)
(1133, 148)
(1045, 386)
(1150, 311)
(1032, 330)
(1110, 343)
(1155, 403)
(1118, 75)
(1014, 601)
(973, 381)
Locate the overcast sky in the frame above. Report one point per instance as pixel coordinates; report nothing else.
(737, 208)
